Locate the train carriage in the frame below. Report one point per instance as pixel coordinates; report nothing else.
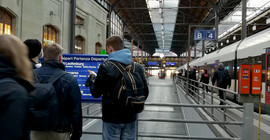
(252, 50)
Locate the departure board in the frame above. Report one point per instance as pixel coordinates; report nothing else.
(78, 65)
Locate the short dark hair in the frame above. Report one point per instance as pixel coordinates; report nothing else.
(116, 42)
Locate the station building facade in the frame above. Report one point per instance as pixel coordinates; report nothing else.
(49, 21)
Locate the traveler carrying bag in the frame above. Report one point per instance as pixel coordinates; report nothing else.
(130, 95)
(225, 79)
(44, 107)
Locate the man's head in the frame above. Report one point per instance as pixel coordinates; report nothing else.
(34, 47)
(220, 66)
(53, 51)
(114, 43)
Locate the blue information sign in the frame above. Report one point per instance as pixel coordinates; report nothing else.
(78, 65)
(210, 35)
(205, 35)
(199, 35)
(152, 63)
(170, 63)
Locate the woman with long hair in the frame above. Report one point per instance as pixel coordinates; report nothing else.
(15, 84)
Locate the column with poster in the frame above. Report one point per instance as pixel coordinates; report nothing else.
(78, 65)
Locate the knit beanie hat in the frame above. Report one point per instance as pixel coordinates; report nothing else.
(34, 47)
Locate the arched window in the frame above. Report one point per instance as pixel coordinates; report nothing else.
(79, 45)
(5, 23)
(50, 34)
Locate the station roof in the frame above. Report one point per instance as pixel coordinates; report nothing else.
(138, 17)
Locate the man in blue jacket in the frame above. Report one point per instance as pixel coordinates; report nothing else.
(117, 124)
(69, 97)
(219, 77)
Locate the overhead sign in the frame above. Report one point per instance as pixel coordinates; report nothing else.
(205, 35)
(152, 63)
(78, 65)
(199, 35)
(162, 50)
(170, 63)
(210, 34)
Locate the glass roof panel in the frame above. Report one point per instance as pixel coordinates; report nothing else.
(163, 20)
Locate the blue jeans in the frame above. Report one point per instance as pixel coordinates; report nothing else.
(122, 131)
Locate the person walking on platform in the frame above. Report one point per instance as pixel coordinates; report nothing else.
(68, 94)
(15, 85)
(222, 77)
(192, 76)
(118, 123)
(34, 48)
(205, 79)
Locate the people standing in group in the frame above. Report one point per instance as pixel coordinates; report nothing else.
(35, 52)
(69, 97)
(222, 77)
(117, 123)
(16, 80)
(205, 79)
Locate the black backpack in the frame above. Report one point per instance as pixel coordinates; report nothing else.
(225, 79)
(130, 96)
(44, 107)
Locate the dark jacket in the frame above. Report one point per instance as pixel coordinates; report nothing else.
(107, 85)
(218, 77)
(192, 75)
(69, 97)
(205, 79)
(13, 102)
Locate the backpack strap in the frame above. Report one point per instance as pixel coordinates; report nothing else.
(57, 76)
(118, 66)
(122, 69)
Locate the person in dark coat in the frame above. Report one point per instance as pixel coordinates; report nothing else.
(117, 124)
(218, 75)
(205, 79)
(69, 97)
(192, 76)
(15, 85)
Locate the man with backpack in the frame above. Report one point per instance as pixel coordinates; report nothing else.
(57, 114)
(124, 89)
(223, 79)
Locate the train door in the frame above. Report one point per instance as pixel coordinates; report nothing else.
(267, 78)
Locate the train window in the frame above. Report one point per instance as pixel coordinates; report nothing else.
(5, 23)
(79, 45)
(50, 34)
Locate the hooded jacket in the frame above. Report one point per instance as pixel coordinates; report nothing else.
(69, 98)
(13, 102)
(218, 77)
(107, 85)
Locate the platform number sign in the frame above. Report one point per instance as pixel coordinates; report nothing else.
(210, 35)
(199, 35)
(205, 35)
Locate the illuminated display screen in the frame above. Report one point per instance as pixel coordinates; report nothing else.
(152, 63)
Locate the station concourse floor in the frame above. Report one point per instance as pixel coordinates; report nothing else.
(160, 91)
